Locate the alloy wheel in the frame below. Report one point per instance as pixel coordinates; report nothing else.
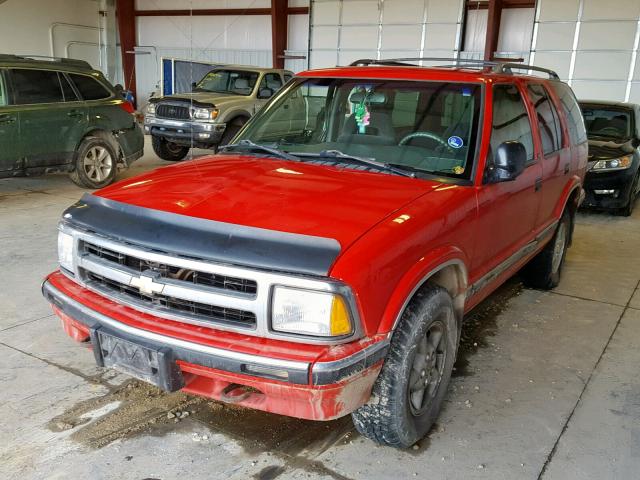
(427, 369)
(97, 164)
(558, 247)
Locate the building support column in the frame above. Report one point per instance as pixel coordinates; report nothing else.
(279, 26)
(126, 14)
(493, 28)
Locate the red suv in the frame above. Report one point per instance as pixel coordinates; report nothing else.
(322, 264)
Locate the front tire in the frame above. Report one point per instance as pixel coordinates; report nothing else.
(408, 394)
(96, 162)
(232, 129)
(544, 270)
(168, 150)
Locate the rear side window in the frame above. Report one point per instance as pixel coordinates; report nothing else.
(89, 88)
(4, 99)
(548, 120)
(36, 86)
(510, 119)
(575, 122)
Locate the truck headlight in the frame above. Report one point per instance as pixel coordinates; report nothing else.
(310, 312)
(151, 109)
(205, 113)
(614, 164)
(65, 250)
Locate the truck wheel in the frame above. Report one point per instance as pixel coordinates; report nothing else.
(167, 150)
(412, 384)
(96, 162)
(232, 129)
(543, 271)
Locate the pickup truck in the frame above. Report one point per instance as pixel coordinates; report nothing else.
(220, 104)
(322, 265)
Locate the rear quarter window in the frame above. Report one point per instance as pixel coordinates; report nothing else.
(575, 121)
(89, 88)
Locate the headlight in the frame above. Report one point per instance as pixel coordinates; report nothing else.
(614, 164)
(65, 250)
(205, 113)
(151, 109)
(310, 313)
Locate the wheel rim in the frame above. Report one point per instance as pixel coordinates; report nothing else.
(174, 148)
(97, 164)
(558, 247)
(428, 368)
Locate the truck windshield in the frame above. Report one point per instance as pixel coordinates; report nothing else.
(235, 82)
(423, 126)
(607, 122)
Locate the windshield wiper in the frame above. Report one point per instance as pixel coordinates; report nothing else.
(249, 145)
(341, 156)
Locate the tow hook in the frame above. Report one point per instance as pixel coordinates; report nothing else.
(244, 392)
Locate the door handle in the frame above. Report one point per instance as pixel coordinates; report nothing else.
(5, 119)
(566, 168)
(538, 184)
(74, 114)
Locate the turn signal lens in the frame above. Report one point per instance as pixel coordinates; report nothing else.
(340, 323)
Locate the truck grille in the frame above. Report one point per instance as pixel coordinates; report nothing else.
(177, 112)
(172, 304)
(173, 272)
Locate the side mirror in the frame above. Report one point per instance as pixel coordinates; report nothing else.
(509, 161)
(265, 93)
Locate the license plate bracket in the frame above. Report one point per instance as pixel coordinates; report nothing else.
(140, 359)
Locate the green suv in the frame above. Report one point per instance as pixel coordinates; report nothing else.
(61, 115)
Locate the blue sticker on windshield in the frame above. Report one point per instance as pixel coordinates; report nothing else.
(466, 92)
(455, 141)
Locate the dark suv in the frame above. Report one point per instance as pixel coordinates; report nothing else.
(61, 115)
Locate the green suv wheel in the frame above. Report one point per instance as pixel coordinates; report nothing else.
(96, 162)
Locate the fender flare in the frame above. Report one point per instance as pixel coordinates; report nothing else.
(425, 269)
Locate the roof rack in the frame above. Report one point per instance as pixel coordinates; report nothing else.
(497, 66)
(66, 61)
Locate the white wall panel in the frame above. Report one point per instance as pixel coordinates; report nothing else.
(558, 10)
(635, 93)
(382, 28)
(401, 37)
(602, 65)
(516, 27)
(395, 11)
(360, 12)
(607, 35)
(475, 31)
(557, 61)
(555, 36)
(199, 4)
(610, 9)
(599, 90)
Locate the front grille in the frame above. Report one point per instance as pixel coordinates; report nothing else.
(207, 279)
(177, 112)
(203, 311)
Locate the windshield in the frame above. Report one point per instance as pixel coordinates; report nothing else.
(612, 123)
(428, 127)
(237, 82)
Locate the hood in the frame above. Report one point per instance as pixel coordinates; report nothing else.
(208, 98)
(603, 149)
(271, 194)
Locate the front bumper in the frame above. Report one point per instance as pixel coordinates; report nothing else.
(185, 133)
(620, 181)
(311, 389)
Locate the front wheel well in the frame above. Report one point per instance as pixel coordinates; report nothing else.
(107, 135)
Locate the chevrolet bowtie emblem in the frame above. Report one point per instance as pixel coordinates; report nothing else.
(146, 285)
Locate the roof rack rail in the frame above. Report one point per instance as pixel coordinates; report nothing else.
(67, 61)
(498, 66)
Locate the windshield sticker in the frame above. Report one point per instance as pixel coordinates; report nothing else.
(458, 170)
(455, 141)
(466, 92)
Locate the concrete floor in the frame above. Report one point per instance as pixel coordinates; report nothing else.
(546, 386)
